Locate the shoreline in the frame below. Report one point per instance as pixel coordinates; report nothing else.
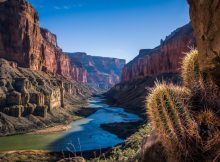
(81, 114)
(54, 129)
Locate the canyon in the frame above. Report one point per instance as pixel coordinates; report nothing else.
(24, 42)
(103, 72)
(40, 85)
(159, 64)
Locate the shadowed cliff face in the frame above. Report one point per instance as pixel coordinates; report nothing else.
(205, 17)
(23, 41)
(102, 72)
(165, 58)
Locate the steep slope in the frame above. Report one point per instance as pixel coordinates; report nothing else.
(39, 85)
(160, 63)
(165, 58)
(206, 23)
(103, 72)
(23, 41)
(31, 99)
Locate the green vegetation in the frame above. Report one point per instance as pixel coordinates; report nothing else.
(130, 151)
(187, 119)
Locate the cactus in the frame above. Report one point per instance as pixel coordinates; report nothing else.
(187, 136)
(190, 69)
(209, 125)
(170, 116)
(201, 84)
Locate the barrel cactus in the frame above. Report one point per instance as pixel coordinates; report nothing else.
(201, 84)
(190, 69)
(171, 118)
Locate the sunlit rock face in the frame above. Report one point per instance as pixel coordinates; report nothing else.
(102, 72)
(165, 58)
(205, 17)
(20, 37)
(159, 64)
(24, 42)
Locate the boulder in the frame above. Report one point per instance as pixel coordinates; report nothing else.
(152, 150)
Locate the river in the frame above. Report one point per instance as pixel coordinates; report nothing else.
(85, 134)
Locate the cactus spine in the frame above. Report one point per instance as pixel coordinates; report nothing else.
(169, 115)
(190, 69)
(181, 136)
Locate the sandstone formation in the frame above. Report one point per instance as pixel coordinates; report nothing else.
(161, 63)
(20, 38)
(25, 92)
(24, 42)
(29, 96)
(102, 72)
(58, 62)
(165, 58)
(206, 23)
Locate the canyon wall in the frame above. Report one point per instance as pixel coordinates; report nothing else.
(205, 17)
(56, 61)
(165, 58)
(20, 37)
(24, 42)
(161, 63)
(103, 72)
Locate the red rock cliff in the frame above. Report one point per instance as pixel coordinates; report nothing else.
(102, 72)
(165, 58)
(56, 61)
(20, 38)
(23, 41)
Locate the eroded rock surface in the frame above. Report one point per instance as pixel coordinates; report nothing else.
(165, 58)
(24, 42)
(31, 99)
(162, 64)
(206, 23)
(102, 72)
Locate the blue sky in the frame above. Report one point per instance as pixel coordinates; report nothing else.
(112, 28)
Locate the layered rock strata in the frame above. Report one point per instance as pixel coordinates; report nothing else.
(165, 58)
(103, 72)
(24, 42)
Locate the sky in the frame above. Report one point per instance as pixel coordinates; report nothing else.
(111, 28)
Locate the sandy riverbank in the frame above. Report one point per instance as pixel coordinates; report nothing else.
(57, 128)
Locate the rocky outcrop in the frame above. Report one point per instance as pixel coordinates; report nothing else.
(165, 58)
(102, 72)
(206, 23)
(57, 61)
(20, 37)
(24, 42)
(27, 92)
(31, 99)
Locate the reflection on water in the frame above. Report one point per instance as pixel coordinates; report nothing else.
(85, 134)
